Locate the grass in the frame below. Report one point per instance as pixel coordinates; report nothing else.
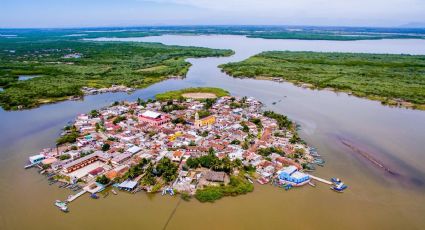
(179, 93)
(389, 78)
(102, 64)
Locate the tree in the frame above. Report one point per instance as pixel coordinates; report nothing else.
(105, 147)
(103, 180)
(64, 157)
(167, 169)
(94, 113)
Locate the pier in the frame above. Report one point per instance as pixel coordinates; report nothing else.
(73, 197)
(320, 179)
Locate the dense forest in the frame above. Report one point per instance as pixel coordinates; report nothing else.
(392, 79)
(59, 68)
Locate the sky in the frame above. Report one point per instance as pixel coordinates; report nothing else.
(93, 13)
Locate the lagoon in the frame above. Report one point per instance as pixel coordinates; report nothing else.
(375, 199)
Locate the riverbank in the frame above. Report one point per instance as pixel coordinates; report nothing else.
(395, 80)
(65, 67)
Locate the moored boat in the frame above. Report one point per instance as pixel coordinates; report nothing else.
(94, 196)
(61, 205)
(339, 187)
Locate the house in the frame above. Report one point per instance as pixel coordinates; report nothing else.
(292, 175)
(153, 118)
(206, 121)
(128, 185)
(36, 159)
(133, 150)
(120, 158)
(215, 176)
(177, 156)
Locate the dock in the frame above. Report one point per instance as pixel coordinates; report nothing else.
(320, 179)
(73, 197)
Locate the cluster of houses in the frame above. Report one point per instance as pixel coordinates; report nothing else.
(112, 140)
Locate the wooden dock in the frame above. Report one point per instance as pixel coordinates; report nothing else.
(320, 179)
(73, 197)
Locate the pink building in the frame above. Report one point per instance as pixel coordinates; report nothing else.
(154, 118)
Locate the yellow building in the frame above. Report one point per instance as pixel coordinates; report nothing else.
(206, 121)
(175, 135)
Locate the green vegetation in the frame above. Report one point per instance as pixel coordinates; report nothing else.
(392, 79)
(282, 121)
(102, 179)
(105, 147)
(67, 138)
(170, 106)
(167, 169)
(238, 185)
(135, 170)
(64, 157)
(101, 64)
(267, 151)
(177, 94)
(211, 161)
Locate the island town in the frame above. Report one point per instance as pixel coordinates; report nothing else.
(196, 144)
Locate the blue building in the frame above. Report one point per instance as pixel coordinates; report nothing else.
(292, 175)
(36, 159)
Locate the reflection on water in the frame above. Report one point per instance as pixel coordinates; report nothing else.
(392, 136)
(26, 77)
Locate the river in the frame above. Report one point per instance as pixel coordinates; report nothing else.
(375, 199)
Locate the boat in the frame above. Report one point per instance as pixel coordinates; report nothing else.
(312, 184)
(339, 187)
(94, 196)
(113, 192)
(287, 186)
(263, 180)
(61, 205)
(250, 181)
(336, 180)
(105, 194)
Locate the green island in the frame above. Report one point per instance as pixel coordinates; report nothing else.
(201, 91)
(397, 80)
(58, 69)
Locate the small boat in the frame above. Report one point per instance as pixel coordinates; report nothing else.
(336, 180)
(61, 205)
(113, 192)
(312, 184)
(287, 187)
(339, 187)
(94, 196)
(263, 180)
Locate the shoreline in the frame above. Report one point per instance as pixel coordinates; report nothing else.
(392, 103)
(104, 146)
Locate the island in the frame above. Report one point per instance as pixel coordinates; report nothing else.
(46, 69)
(396, 80)
(201, 143)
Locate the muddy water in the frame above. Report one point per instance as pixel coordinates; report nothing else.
(375, 199)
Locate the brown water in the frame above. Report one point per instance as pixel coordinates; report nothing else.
(375, 199)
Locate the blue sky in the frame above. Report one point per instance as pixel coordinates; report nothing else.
(86, 13)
